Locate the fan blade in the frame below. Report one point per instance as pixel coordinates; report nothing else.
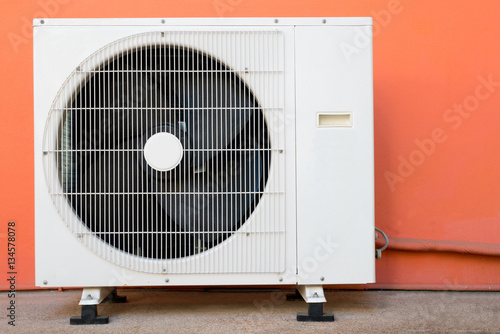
(216, 108)
(120, 203)
(214, 204)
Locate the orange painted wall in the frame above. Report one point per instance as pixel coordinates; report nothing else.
(429, 58)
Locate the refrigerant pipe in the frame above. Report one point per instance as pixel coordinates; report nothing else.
(422, 245)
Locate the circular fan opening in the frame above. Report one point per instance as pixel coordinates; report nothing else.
(148, 212)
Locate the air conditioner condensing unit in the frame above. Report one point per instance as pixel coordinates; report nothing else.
(206, 151)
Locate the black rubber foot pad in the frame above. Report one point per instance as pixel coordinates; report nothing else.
(325, 317)
(99, 320)
(89, 317)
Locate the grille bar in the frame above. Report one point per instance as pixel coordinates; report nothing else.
(167, 193)
(186, 150)
(198, 232)
(181, 71)
(166, 108)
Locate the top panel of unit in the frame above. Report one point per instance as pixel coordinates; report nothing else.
(205, 21)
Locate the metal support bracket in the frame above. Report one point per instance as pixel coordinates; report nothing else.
(94, 296)
(312, 293)
(91, 297)
(314, 297)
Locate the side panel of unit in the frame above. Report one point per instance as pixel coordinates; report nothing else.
(335, 167)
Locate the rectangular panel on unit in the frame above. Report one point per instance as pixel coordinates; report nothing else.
(335, 182)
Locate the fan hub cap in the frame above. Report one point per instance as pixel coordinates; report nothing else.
(163, 151)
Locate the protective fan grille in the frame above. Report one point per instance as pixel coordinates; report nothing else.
(227, 115)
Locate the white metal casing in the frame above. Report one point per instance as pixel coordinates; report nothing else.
(328, 192)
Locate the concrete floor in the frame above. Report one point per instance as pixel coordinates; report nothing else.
(261, 311)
